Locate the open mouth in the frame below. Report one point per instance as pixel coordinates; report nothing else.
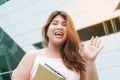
(58, 33)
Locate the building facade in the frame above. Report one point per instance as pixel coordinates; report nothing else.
(21, 22)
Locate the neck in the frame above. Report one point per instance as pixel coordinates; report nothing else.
(54, 50)
(54, 47)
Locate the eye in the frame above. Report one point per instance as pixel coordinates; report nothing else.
(64, 24)
(54, 23)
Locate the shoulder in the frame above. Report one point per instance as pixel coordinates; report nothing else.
(29, 58)
(33, 53)
(25, 65)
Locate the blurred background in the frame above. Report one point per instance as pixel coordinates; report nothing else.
(21, 22)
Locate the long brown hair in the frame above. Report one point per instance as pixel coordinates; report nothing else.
(71, 50)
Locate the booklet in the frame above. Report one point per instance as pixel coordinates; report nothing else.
(46, 72)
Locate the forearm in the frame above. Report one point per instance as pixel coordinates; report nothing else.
(91, 72)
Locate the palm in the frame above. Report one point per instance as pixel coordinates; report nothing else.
(91, 52)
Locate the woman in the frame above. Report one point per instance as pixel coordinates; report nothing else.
(64, 52)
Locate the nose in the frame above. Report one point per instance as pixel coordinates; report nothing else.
(59, 26)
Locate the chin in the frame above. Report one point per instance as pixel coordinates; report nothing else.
(59, 43)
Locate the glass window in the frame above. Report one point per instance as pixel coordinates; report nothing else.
(117, 23)
(39, 45)
(108, 25)
(3, 1)
(10, 55)
(118, 6)
(87, 33)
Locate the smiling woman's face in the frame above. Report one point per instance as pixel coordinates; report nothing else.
(57, 32)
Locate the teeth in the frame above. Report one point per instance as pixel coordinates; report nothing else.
(58, 33)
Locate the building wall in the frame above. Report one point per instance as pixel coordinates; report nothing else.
(107, 62)
(23, 21)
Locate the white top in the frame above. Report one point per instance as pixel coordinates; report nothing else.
(57, 64)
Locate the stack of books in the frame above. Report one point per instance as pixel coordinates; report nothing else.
(46, 72)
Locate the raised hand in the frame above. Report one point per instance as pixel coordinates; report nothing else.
(92, 50)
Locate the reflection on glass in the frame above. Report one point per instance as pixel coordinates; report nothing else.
(10, 55)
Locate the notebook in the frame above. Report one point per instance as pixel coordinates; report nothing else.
(46, 72)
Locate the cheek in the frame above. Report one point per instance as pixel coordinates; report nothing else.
(50, 31)
(48, 34)
(66, 32)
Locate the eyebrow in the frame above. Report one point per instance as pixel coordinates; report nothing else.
(58, 21)
(55, 21)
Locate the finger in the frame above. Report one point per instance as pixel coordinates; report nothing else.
(95, 41)
(100, 48)
(81, 45)
(82, 48)
(98, 43)
(91, 40)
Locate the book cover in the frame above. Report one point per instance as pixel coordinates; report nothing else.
(46, 72)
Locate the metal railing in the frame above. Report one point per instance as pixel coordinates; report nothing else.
(7, 72)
